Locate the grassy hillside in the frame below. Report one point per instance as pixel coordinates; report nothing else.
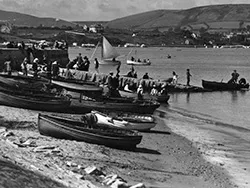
(210, 17)
(19, 19)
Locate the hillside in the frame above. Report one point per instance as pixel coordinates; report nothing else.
(214, 17)
(19, 19)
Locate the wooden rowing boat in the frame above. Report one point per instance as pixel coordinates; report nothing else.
(77, 86)
(20, 81)
(30, 101)
(89, 131)
(223, 86)
(117, 104)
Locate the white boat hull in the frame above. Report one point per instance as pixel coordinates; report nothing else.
(146, 123)
(136, 63)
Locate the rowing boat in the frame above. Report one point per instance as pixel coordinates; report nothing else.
(117, 104)
(223, 86)
(88, 131)
(35, 102)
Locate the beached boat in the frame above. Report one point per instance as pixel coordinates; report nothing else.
(87, 131)
(77, 85)
(108, 54)
(22, 82)
(123, 104)
(223, 86)
(129, 121)
(159, 98)
(35, 102)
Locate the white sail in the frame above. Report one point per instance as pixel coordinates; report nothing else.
(108, 52)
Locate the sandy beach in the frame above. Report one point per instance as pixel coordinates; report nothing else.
(163, 158)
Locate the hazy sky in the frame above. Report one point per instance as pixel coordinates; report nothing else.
(85, 10)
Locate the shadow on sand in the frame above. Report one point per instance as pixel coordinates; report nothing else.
(12, 175)
(157, 132)
(145, 150)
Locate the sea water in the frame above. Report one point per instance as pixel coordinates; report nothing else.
(218, 123)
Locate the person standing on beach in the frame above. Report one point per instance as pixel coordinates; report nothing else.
(24, 66)
(188, 77)
(96, 65)
(7, 65)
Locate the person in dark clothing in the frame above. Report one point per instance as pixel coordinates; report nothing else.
(115, 91)
(96, 65)
(55, 69)
(235, 77)
(86, 63)
(188, 77)
(110, 84)
(145, 76)
(35, 66)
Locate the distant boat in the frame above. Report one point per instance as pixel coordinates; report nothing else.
(223, 86)
(108, 54)
(137, 62)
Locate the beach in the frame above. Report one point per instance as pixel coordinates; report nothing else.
(162, 159)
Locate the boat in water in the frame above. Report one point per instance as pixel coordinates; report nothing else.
(108, 54)
(223, 86)
(87, 130)
(137, 62)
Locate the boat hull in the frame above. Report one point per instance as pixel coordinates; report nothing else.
(130, 122)
(112, 105)
(77, 86)
(136, 63)
(72, 130)
(19, 100)
(23, 82)
(109, 62)
(222, 86)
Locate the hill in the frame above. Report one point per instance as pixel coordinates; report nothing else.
(19, 19)
(214, 17)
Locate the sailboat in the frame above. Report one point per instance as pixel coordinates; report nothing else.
(137, 62)
(108, 54)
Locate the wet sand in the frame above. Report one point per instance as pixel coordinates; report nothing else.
(162, 159)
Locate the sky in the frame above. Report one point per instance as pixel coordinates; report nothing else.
(101, 10)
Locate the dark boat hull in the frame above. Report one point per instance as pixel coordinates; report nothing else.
(72, 130)
(44, 103)
(222, 86)
(23, 82)
(146, 107)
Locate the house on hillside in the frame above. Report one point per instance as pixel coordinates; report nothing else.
(5, 27)
(96, 28)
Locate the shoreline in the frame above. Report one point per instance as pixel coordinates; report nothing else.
(162, 159)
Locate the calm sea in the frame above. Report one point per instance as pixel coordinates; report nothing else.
(218, 123)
